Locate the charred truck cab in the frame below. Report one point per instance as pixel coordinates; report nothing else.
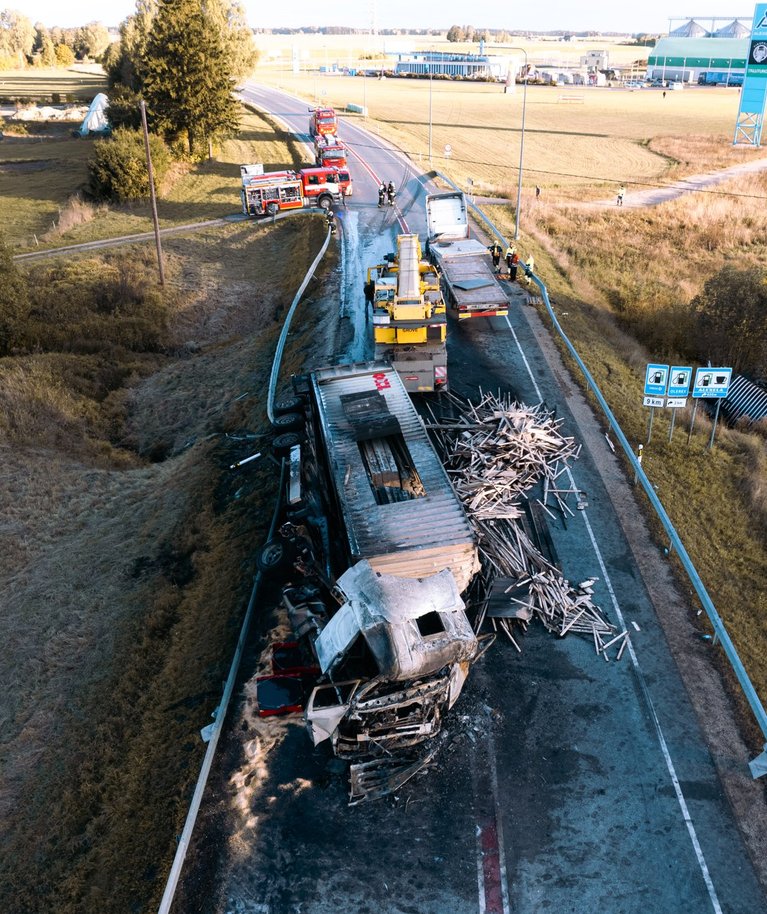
(387, 552)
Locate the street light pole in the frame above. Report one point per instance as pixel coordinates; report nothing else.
(430, 81)
(521, 145)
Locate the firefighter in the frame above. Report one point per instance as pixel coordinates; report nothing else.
(331, 217)
(381, 193)
(391, 193)
(529, 268)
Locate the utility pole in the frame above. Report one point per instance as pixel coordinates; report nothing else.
(152, 195)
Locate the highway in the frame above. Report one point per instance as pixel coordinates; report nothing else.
(568, 784)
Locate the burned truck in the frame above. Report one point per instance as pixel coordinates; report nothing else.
(381, 552)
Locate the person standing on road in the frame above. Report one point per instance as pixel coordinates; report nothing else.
(381, 194)
(510, 252)
(621, 195)
(495, 253)
(513, 267)
(391, 192)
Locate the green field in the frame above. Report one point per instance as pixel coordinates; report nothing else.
(46, 86)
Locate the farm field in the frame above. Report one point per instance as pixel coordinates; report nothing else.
(572, 150)
(64, 85)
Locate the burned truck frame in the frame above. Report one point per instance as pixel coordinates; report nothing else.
(388, 552)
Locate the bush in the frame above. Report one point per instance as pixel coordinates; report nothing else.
(118, 169)
(124, 109)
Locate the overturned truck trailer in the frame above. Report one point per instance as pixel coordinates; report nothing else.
(392, 551)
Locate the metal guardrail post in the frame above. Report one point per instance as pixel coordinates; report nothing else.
(758, 765)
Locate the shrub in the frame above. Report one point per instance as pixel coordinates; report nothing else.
(124, 109)
(118, 169)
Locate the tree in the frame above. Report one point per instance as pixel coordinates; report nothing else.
(65, 56)
(731, 320)
(188, 80)
(118, 168)
(92, 40)
(17, 36)
(455, 33)
(230, 19)
(127, 68)
(14, 301)
(124, 110)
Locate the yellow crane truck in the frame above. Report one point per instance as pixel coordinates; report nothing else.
(409, 319)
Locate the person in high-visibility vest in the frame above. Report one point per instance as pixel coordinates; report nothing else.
(529, 267)
(510, 252)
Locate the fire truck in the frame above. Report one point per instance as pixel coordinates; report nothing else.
(274, 191)
(409, 320)
(329, 150)
(323, 122)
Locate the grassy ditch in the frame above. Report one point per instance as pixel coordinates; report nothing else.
(633, 281)
(131, 547)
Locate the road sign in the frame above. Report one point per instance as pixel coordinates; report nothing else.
(712, 382)
(655, 380)
(448, 150)
(676, 402)
(679, 381)
(654, 401)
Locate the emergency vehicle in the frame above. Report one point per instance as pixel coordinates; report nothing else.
(323, 122)
(329, 150)
(274, 191)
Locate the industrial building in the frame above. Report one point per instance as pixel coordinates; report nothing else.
(444, 63)
(685, 59)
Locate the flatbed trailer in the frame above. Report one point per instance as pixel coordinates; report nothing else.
(469, 283)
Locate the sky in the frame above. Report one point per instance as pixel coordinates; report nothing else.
(593, 15)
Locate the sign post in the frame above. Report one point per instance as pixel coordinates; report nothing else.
(655, 384)
(710, 383)
(678, 389)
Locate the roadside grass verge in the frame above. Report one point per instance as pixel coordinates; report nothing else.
(716, 498)
(47, 203)
(131, 558)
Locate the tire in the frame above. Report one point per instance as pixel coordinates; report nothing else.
(275, 555)
(325, 202)
(272, 209)
(282, 444)
(288, 405)
(288, 422)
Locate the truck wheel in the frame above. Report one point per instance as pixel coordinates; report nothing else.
(288, 405)
(325, 202)
(275, 555)
(288, 422)
(272, 209)
(281, 444)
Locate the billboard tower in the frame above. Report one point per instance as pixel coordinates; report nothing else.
(753, 95)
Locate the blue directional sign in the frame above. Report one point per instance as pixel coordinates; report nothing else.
(679, 381)
(712, 382)
(655, 380)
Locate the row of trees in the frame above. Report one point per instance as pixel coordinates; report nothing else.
(23, 44)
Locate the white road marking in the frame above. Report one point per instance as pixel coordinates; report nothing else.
(640, 676)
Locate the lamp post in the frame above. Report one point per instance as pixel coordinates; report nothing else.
(430, 82)
(521, 145)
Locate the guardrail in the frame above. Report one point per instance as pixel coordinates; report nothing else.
(221, 710)
(758, 766)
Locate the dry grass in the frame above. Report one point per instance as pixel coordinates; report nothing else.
(125, 578)
(572, 151)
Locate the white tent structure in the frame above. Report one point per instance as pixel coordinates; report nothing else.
(96, 120)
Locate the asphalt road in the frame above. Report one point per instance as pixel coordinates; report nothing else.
(567, 783)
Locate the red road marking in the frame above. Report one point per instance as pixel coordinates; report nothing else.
(491, 867)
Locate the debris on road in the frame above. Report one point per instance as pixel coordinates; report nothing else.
(496, 452)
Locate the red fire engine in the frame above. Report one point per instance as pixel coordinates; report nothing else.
(269, 193)
(329, 150)
(323, 122)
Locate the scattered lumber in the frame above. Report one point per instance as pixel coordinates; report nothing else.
(495, 452)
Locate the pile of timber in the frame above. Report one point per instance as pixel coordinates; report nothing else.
(495, 451)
